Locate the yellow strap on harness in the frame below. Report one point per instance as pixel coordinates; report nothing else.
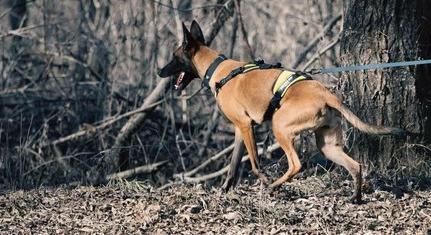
(282, 79)
(250, 67)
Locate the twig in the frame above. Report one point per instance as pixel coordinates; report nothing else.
(5, 12)
(188, 9)
(211, 129)
(50, 161)
(105, 123)
(77, 61)
(233, 36)
(14, 5)
(180, 152)
(244, 32)
(221, 18)
(111, 120)
(137, 170)
(321, 52)
(206, 163)
(19, 90)
(314, 42)
(226, 168)
(187, 97)
(20, 31)
(165, 186)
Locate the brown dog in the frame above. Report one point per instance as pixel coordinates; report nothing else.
(307, 105)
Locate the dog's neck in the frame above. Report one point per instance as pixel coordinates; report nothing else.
(203, 58)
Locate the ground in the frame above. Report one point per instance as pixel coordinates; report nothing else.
(314, 205)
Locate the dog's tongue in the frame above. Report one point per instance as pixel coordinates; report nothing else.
(179, 80)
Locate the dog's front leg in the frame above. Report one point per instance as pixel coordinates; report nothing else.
(238, 152)
(250, 143)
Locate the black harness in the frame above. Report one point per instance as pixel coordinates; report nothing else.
(257, 64)
(209, 73)
(274, 104)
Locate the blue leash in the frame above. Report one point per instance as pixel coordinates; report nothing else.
(367, 66)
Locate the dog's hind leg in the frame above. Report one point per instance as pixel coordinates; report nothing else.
(286, 142)
(329, 140)
(286, 124)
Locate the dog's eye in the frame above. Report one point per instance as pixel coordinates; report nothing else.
(179, 59)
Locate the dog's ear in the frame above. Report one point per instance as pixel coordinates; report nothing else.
(187, 36)
(196, 32)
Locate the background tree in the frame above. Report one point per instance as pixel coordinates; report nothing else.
(386, 31)
(17, 19)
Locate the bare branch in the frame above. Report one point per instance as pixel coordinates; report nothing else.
(321, 52)
(206, 163)
(244, 32)
(189, 9)
(137, 170)
(226, 168)
(105, 123)
(221, 18)
(314, 42)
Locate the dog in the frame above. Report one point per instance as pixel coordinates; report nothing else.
(244, 100)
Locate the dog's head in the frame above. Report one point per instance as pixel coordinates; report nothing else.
(181, 64)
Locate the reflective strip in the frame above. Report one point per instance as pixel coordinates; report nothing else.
(249, 65)
(284, 83)
(250, 68)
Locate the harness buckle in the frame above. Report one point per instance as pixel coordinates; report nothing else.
(218, 86)
(259, 61)
(314, 71)
(275, 101)
(237, 71)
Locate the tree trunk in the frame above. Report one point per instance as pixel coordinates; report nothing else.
(17, 13)
(385, 31)
(17, 19)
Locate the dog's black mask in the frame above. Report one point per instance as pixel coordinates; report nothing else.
(181, 67)
(181, 64)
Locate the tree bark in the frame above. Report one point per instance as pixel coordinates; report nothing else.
(385, 31)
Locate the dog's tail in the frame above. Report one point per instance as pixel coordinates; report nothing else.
(334, 103)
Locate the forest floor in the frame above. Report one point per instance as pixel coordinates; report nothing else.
(314, 205)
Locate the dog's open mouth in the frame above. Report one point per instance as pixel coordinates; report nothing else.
(180, 79)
